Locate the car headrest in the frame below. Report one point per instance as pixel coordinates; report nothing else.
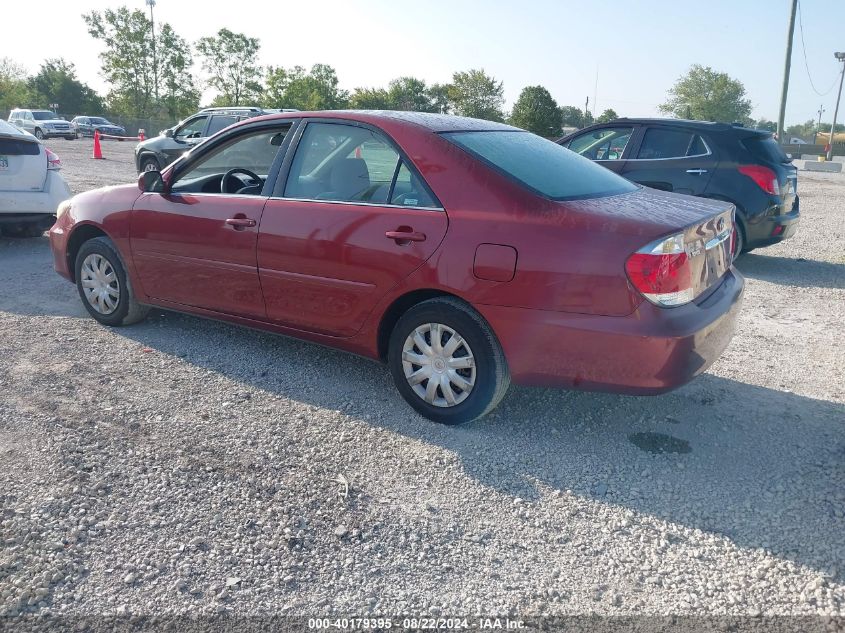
(350, 176)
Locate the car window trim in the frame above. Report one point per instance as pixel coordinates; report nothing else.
(281, 182)
(184, 162)
(709, 152)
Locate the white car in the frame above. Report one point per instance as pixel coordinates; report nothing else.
(31, 186)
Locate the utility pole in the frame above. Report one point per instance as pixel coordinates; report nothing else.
(786, 65)
(587, 111)
(818, 125)
(841, 58)
(151, 4)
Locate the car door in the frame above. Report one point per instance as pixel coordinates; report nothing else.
(194, 244)
(606, 145)
(186, 136)
(672, 159)
(351, 219)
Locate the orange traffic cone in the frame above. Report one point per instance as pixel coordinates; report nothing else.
(141, 136)
(98, 153)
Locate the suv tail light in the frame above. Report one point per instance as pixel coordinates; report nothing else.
(661, 272)
(53, 161)
(764, 177)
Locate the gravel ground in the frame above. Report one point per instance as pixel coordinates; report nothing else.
(183, 466)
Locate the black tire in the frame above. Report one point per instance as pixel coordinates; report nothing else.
(740, 247)
(128, 310)
(492, 377)
(39, 134)
(150, 163)
(70, 138)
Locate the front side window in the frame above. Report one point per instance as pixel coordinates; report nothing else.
(543, 166)
(604, 144)
(250, 155)
(665, 143)
(346, 163)
(192, 129)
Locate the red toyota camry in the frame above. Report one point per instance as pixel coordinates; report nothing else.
(465, 254)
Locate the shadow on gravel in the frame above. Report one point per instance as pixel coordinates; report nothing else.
(788, 271)
(764, 468)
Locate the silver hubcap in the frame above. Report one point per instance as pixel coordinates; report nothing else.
(100, 284)
(150, 166)
(438, 364)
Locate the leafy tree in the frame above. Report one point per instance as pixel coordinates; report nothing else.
(765, 124)
(316, 89)
(474, 93)
(572, 116)
(410, 93)
(536, 111)
(607, 115)
(231, 60)
(439, 95)
(56, 82)
(707, 95)
(370, 99)
(14, 89)
(128, 65)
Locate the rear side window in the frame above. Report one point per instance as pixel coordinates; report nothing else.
(218, 123)
(665, 143)
(765, 148)
(14, 147)
(543, 166)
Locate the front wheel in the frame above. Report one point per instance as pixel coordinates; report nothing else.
(446, 361)
(39, 134)
(104, 286)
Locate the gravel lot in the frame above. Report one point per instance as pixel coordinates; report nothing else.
(183, 466)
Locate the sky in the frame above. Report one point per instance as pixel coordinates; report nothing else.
(623, 54)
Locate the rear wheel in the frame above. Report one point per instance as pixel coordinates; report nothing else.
(104, 286)
(739, 247)
(70, 138)
(446, 361)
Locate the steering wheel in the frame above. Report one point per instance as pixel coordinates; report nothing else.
(237, 170)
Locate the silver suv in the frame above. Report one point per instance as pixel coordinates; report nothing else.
(42, 123)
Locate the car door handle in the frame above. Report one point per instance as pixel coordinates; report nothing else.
(240, 223)
(696, 171)
(403, 237)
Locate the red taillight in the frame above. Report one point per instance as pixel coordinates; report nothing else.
(764, 177)
(53, 161)
(661, 272)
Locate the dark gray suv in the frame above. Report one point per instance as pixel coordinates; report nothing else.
(159, 151)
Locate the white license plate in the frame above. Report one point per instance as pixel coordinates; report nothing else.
(4, 163)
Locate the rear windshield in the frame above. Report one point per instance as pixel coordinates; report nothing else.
(542, 166)
(765, 148)
(15, 147)
(43, 115)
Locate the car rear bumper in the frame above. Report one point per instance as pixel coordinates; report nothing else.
(764, 230)
(651, 351)
(36, 202)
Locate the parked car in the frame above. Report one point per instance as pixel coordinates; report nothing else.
(31, 186)
(711, 160)
(157, 152)
(466, 254)
(41, 123)
(87, 125)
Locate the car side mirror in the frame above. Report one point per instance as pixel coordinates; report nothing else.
(168, 133)
(151, 182)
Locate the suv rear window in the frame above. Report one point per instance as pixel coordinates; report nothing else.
(543, 166)
(765, 148)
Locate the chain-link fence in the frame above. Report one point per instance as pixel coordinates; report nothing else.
(151, 127)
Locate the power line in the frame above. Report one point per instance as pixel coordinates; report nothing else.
(806, 65)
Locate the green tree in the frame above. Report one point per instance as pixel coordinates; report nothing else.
(56, 82)
(572, 116)
(536, 111)
(410, 93)
(316, 89)
(439, 95)
(765, 124)
(14, 88)
(706, 95)
(474, 93)
(607, 115)
(231, 61)
(128, 65)
(370, 99)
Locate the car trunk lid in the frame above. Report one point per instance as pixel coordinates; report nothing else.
(23, 166)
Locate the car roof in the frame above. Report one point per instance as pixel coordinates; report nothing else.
(7, 129)
(431, 121)
(709, 126)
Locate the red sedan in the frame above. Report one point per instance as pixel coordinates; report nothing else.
(465, 254)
